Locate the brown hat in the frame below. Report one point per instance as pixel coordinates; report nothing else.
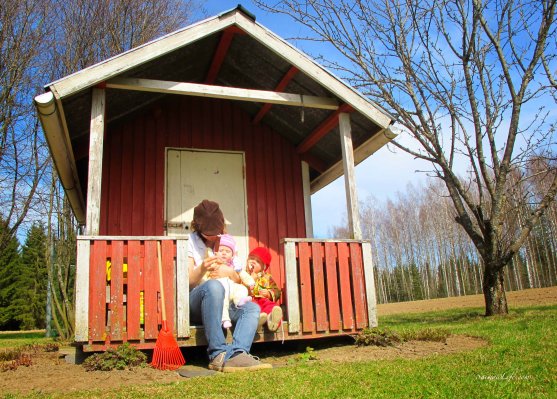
(208, 218)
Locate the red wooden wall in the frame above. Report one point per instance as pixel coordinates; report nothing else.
(133, 170)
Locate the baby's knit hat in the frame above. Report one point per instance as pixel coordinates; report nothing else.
(228, 241)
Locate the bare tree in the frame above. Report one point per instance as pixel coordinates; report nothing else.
(87, 32)
(472, 82)
(23, 152)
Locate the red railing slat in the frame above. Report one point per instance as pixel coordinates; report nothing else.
(305, 287)
(133, 294)
(97, 289)
(345, 286)
(358, 285)
(116, 291)
(332, 286)
(321, 314)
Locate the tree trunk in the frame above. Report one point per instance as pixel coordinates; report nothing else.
(494, 291)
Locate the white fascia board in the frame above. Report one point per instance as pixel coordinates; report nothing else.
(308, 66)
(362, 152)
(130, 59)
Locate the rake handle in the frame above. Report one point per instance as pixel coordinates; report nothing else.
(163, 303)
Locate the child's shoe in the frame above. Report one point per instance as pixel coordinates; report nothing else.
(262, 319)
(274, 318)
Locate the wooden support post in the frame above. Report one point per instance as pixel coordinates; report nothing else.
(371, 297)
(307, 199)
(95, 161)
(349, 176)
(82, 291)
(292, 302)
(182, 289)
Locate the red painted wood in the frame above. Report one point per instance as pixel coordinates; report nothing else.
(133, 308)
(299, 199)
(358, 285)
(251, 182)
(126, 186)
(151, 284)
(138, 179)
(290, 196)
(321, 131)
(260, 188)
(160, 175)
(227, 124)
(103, 219)
(186, 117)
(333, 298)
(278, 177)
(321, 314)
(271, 213)
(149, 173)
(117, 291)
(97, 291)
(115, 156)
(219, 56)
(168, 250)
(306, 293)
(345, 286)
(280, 88)
(273, 174)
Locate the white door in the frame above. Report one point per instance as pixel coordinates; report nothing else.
(195, 175)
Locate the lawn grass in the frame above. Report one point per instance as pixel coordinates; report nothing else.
(519, 362)
(16, 339)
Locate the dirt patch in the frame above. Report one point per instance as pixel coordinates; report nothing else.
(50, 373)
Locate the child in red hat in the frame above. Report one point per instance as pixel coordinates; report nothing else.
(265, 292)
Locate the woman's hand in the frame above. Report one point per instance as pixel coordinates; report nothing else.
(210, 264)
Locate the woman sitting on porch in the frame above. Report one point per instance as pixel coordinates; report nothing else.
(206, 298)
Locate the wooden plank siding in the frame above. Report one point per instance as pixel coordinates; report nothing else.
(133, 171)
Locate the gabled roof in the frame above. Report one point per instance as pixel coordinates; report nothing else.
(228, 50)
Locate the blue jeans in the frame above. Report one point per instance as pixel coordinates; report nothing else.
(206, 302)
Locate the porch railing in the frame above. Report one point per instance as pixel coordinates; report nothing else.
(329, 286)
(329, 289)
(118, 290)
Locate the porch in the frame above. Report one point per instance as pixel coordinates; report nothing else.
(328, 289)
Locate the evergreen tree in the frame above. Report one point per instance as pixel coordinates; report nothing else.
(32, 281)
(9, 270)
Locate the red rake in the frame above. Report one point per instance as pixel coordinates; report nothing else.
(167, 354)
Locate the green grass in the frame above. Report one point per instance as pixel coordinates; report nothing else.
(519, 362)
(16, 339)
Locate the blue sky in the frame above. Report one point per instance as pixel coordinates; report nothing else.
(381, 175)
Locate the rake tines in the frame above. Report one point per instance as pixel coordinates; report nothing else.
(167, 355)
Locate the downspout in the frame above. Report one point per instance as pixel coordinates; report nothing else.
(49, 116)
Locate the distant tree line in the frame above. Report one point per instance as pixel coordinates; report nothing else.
(420, 252)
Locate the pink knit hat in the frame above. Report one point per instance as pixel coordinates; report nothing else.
(228, 241)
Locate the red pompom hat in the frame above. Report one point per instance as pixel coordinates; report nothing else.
(263, 255)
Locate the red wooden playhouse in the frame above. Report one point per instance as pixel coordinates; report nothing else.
(226, 110)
